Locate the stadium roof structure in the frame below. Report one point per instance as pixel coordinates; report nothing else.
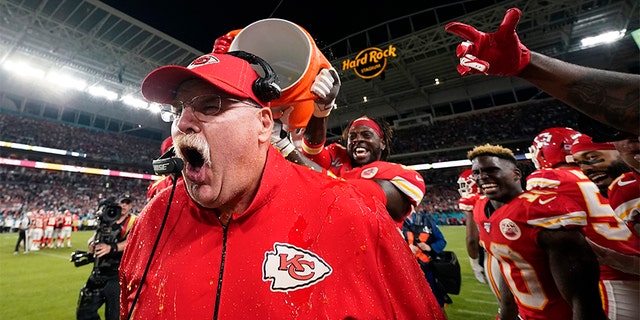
(89, 39)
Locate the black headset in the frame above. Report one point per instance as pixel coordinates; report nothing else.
(265, 88)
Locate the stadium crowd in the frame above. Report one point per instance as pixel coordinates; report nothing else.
(460, 133)
(25, 189)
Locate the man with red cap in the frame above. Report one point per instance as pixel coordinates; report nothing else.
(249, 235)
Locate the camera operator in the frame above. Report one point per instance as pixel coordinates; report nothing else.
(105, 251)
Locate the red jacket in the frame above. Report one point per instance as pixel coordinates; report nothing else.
(308, 247)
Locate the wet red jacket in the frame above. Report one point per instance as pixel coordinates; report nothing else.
(308, 247)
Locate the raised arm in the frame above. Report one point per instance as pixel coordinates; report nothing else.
(609, 97)
(326, 86)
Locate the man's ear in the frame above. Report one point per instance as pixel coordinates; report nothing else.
(266, 119)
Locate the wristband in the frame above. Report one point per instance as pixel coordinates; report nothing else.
(285, 147)
(114, 247)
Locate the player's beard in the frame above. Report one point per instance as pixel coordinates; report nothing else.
(616, 169)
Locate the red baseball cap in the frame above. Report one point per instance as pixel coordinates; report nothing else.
(230, 74)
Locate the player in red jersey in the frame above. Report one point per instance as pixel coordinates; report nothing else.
(364, 162)
(468, 197)
(250, 235)
(549, 268)
(557, 172)
(37, 231)
(486, 268)
(595, 157)
(65, 232)
(624, 197)
(49, 226)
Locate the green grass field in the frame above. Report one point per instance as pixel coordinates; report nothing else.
(45, 285)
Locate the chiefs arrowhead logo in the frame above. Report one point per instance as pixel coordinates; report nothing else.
(510, 229)
(290, 268)
(369, 173)
(203, 60)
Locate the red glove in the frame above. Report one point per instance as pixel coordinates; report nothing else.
(499, 53)
(222, 44)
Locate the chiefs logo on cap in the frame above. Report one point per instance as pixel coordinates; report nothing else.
(206, 59)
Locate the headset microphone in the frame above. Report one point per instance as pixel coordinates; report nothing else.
(168, 163)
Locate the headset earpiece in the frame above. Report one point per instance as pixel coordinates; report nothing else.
(265, 88)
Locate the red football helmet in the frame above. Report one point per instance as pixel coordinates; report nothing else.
(466, 185)
(552, 147)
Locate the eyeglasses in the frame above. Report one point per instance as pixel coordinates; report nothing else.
(204, 107)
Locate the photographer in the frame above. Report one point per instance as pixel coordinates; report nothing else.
(426, 241)
(105, 251)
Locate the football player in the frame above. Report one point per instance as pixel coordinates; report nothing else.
(468, 197)
(558, 172)
(549, 269)
(485, 267)
(601, 162)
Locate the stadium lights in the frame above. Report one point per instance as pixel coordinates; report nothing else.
(135, 102)
(67, 81)
(607, 37)
(155, 107)
(102, 93)
(23, 69)
(455, 163)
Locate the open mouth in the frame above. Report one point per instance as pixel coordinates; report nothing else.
(194, 163)
(360, 153)
(193, 157)
(489, 187)
(598, 177)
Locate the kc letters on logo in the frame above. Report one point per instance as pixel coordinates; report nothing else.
(290, 268)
